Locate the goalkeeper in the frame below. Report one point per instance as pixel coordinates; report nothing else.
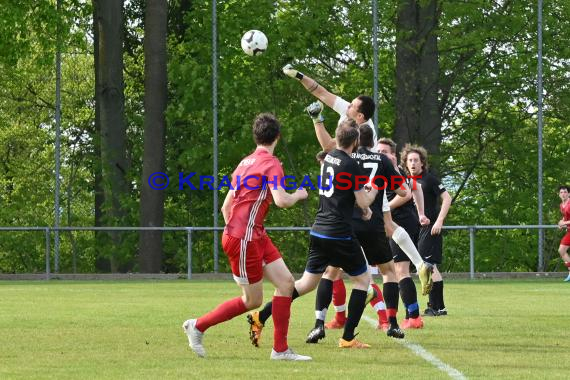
(361, 109)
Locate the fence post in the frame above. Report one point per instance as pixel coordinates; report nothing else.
(48, 269)
(472, 253)
(189, 252)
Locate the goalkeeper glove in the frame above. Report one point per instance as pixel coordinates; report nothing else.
(290, 71)
(315, 111)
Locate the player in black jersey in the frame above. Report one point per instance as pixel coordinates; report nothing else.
(407, 212)
(430, 241)
(331, 238)
(371, 235)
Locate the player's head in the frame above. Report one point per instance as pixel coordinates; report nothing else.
(346, 134)
(361, 109)
(366, 139)
(563, 191)
(414, 158)
(388, 147)
(321, 156)
(266, 129)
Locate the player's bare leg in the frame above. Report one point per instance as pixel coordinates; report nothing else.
(563, 251)
(252, 297)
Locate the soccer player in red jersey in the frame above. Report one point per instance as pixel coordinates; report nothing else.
(256, 182)
(563, 224)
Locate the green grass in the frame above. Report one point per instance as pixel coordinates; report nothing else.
(496, 329)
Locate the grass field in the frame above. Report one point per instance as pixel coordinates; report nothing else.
(496, 329)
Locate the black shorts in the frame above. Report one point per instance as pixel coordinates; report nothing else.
(430, 246)
(345, 254)
(412, 227)
(375, 245)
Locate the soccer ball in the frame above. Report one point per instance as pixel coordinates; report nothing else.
(254, 42)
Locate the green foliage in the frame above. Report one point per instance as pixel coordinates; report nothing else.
(487, 55)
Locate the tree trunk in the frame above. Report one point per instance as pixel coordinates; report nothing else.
(428, 74)
(113, 130)
(418, 118)
(102, 263)
(155, 98)
(407, 103)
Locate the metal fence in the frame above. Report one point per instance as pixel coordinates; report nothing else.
(190, 230)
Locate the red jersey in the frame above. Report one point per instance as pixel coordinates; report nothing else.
(251, 198)
(565, 210)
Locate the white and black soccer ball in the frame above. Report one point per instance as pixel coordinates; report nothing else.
(254, 42)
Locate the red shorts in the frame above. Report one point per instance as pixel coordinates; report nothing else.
(247, 258)
(566, 239)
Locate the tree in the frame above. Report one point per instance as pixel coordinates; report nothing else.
(418, 118)
(110, 99)
(155, 100)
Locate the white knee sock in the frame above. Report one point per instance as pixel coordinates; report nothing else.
(401, 237)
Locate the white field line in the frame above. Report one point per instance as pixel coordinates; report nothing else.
(424, 354)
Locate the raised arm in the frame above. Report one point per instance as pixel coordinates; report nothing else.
(326, 141)
(311, 85)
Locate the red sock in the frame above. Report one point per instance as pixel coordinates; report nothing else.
(339, 300)
(224, 312)
(379, 305)
(280, 311)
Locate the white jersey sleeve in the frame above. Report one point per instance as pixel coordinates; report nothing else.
(340, 106)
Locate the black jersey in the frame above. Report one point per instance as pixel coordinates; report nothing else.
(377, 167)
(336, 199)
(405, 211)
(432, 190)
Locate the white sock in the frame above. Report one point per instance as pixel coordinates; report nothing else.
(340, 308)
(401, 237)
(321, 314)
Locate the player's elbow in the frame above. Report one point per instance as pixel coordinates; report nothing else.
(282, 202)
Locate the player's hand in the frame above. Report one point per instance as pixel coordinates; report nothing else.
(561, 224)
(290, 71)
(436, 229)
(366, 214)
(301, 193)
(315, 111)
(424, 220)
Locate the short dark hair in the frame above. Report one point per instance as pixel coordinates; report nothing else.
(321, 156)
(367, 106)
(266, 129)
(366, 138)
(563, 187)
(389, 142)
(346, 133)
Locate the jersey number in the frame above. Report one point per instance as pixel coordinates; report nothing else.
(327, 188)
(374, 167)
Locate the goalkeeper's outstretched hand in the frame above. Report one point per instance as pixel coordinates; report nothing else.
(315, 111)
(290, 71)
